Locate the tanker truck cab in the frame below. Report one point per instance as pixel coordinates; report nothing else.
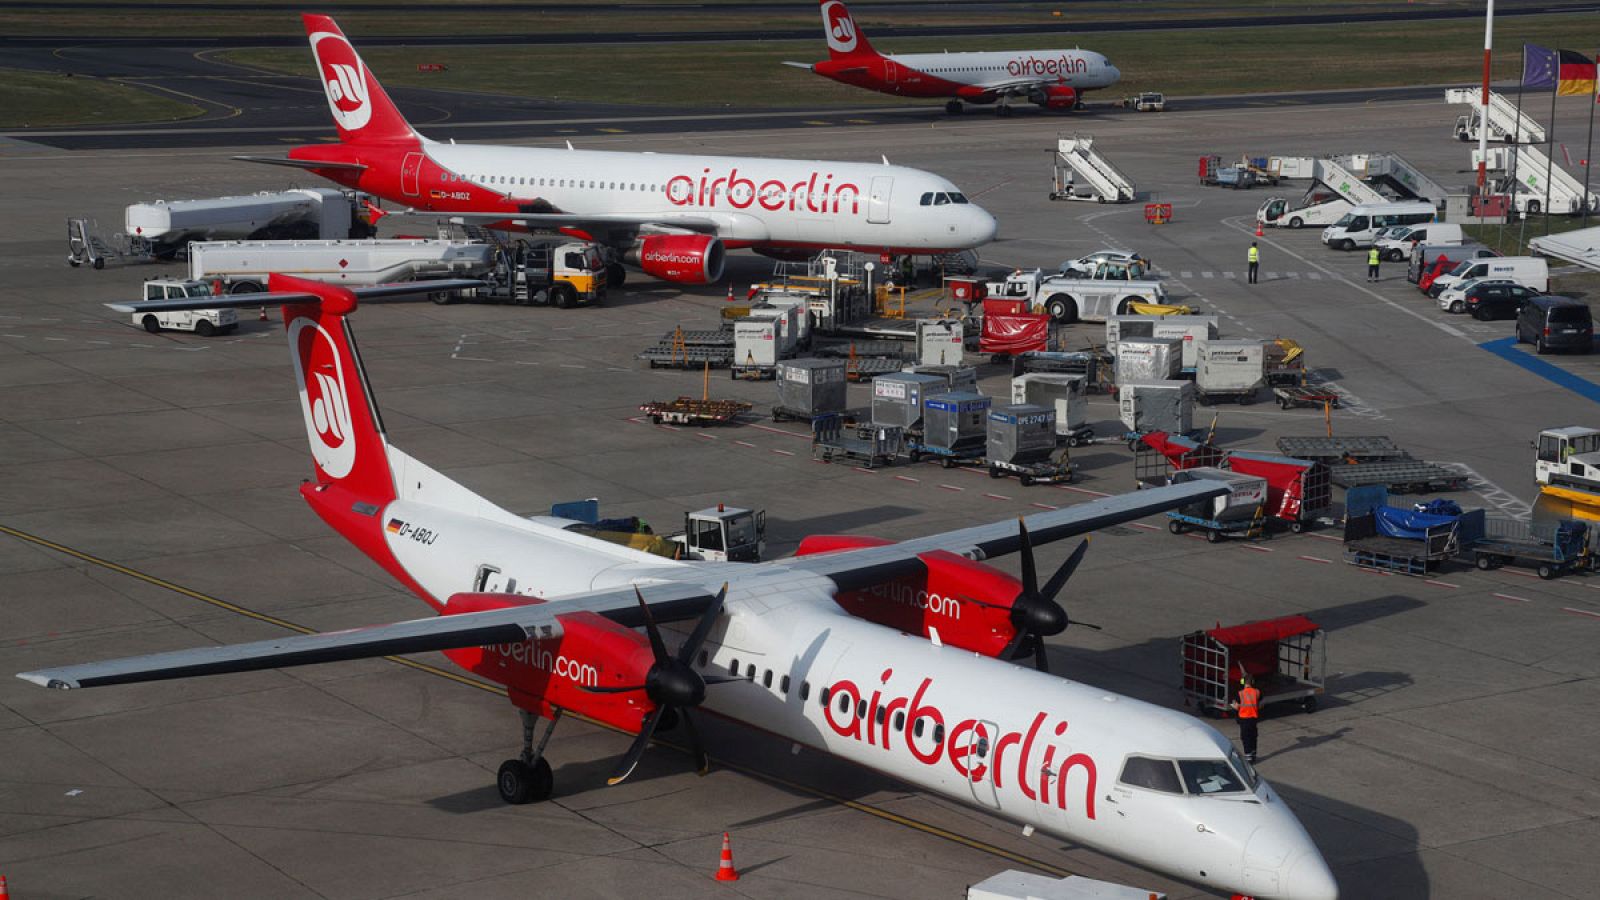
(204, 322)
(1360, 226)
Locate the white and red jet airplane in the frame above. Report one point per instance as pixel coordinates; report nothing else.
(1054, 79)
(672, 215)
(885, 654)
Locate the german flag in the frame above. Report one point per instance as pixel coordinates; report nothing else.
(1577, 73)
(1569, 72)
(394, 526)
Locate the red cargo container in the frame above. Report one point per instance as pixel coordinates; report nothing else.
(1298, 490)
(1287, 657)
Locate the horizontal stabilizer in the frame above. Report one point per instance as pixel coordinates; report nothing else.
(288, 298)
(303, 163)
(809, 67)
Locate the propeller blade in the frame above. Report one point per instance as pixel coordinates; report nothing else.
(1059, 579)
(630, 760)
(702, 628)
(657, 647)
(1010, 652)
(697, 750)
(1030, 577)
(611, 689)
(1087, 625)
(1040, 661)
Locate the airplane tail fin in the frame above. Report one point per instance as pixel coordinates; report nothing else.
(845, 40)
(361, 109)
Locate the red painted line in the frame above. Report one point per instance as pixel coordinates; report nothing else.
(951, 487)
(1443, 584)
(1317, 559)
(908, 478)
(1521, 574)
(1145, 526)
(745, 444)
(1513, 597)
(1325, 537)
(1581, 612)
(865, 469)
(784, 452)
(1044, 506)
(1256, 549)
(996, 497)
(794, 434)
(1068, 487)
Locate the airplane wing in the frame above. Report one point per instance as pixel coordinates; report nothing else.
(656, 222)
(809, 67)
(1016, 86)
(668, 602)
(302, 163)
(855, 569)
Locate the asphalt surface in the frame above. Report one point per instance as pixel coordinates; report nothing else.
(148, 501)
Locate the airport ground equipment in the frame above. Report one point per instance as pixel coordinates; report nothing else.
(897, 398)
(1229, 370)
(1157, 455)
(242, 267)
(204, 322)
(1010, 328)
(1094, 366)
(1530, 193)
(1239, 513)
(1344, 448)
(1287, 658)
(87, 247)
(1156, 406)
(1149, 101)
(1297, 395)
(1144, 359)
(1236, 176)
(942, 341)
(1299, 492)
(836, 286)
(1567, 469)
(555, 273)
(1066, 395)
(1403, 540)
(1401, 175)
(954, 429)
(1399, 475)
(1286, 363)
(1021, 441)
(693, 349)
(1553, 549)
(1080, 172)
(1187, 328)
(958, 379)
(869, 444)
(808, 388)
(694, 411)
(1112, 289)
(757, 347)
(1506, 122)
(723, 534)
(167, 227)
(1336, 192)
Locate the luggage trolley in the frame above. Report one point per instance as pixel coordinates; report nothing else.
(1287, 657)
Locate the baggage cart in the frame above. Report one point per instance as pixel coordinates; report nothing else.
(1055, 470)
(1399, 475)
(1299, 491)
(1158, 454)
(870, 445)
(1552, 548)
(1022, 441)
(694, 411)
(1240, 512)
(1286, 657)
(1291, 396)
(1404, 541)
(954, 428)
(1338, 449)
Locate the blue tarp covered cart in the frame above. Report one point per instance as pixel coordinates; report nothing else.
(1379, 536)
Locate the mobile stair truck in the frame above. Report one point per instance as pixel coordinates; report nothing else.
(1079, 172)
(1022, 442)
(1506, 122)
(1338, 191)
(1405, 541)
(1286, 657)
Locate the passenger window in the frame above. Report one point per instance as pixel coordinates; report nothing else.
(900, 721)
(983, 745)
(823, 696)
(1152, 774)
(733, 667)
(844, 703)
(861, 709)
(750, 671)
(766, 679)
(938, 734)
(917, 726)
(879, 714)
(805, 691)
(783, 686)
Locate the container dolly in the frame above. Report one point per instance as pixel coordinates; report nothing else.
(1286, 657)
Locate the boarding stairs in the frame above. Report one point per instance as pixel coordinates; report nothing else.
(1397, 171)
(1088, 166)
(1503, 114)
(1346, 184)
(1563, 195)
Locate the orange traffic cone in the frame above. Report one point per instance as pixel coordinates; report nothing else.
(264, 319)
(730, 292)
(725, 869)
(6, 895)
(1259, 232)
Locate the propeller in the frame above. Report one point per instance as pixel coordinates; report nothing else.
(671, 683)
(1036, 613)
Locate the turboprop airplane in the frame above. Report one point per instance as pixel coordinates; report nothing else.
(888, 654)
(1054, 79)
(673, 216)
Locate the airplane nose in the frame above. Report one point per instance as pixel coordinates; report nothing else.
(1309, 879)
(984, 227)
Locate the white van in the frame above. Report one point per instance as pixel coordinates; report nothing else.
(1528, 271)
(1361, 224)
(1400, 241)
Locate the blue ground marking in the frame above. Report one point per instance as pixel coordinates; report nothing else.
(1506, 349)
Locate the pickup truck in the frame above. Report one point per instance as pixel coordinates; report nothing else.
(1111, 289)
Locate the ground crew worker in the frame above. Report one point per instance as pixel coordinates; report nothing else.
(1255, 261)
(1372, 264)
(1248, 706)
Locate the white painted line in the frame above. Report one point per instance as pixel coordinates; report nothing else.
(16, 335)
(908, 478)
(572, 366)
(1186, 274)
(1232, 275)
(865, 469)
(1079, 490)
(997, 497)
(1581, 612)
(1207, 275)
(1256, 548)
(1514, 598)
(951, 487)
(452, 356)
(709, 437)
(1145, 526)
(108, 343)
(54, 339)
(1326, 537)
(745, 444)
(1316, 559)
(1044, 506)
(784, 452)
(794, 434)
(1314, 276)
(1443, 584)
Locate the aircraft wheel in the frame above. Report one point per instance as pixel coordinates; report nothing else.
(521, 783)
(954, 107)
(151, 324)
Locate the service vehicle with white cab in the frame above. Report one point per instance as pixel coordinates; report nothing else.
(204, 322)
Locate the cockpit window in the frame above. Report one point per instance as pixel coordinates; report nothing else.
(941, 199)
(1244, 769)
(927, 199)
(958, 198)
(1153, 774)
(1209, 776)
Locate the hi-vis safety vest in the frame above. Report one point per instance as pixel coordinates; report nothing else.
(1372, 256)
(1255, 254)
(1249, 703)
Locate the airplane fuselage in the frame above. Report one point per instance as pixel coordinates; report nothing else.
(963, 75)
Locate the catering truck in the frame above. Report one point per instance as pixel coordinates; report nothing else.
(241, 267)
(166, 227)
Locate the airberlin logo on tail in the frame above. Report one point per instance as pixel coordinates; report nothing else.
(840, 27)
(323, 400)
(344, 78)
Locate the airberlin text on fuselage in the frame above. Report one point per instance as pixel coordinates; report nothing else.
(773, 195)
(548, 661)
(969, 746)
(1062, 65)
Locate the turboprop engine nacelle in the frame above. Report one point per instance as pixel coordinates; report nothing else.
(682, 258)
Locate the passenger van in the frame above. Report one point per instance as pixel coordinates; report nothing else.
(1402, 239)
(1425, 257)
(1361, 224)
(1528, 271)
(1556, 323)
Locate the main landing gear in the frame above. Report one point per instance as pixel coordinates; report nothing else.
(528, 779)
(954, 107)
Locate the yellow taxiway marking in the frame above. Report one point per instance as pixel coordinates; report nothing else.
(858, 806)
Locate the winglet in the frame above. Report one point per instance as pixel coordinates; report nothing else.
(46, 681)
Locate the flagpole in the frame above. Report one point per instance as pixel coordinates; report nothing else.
(1550, 144)
(1483, 121)
(1516, 146)
(1588, 153)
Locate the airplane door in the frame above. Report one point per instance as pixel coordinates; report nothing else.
(409, 170)
(979, 744)
(878, 200)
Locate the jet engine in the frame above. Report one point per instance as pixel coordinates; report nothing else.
(1054, 97)
(681, 258)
